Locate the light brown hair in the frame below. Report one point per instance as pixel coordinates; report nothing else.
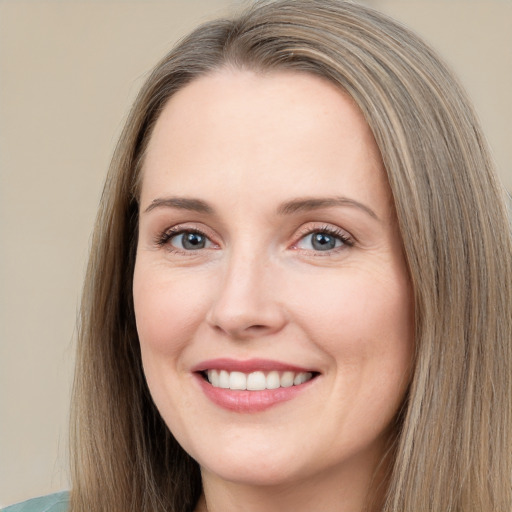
(454, 434)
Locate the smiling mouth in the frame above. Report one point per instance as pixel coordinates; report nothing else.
(253, 385)
(257, 380)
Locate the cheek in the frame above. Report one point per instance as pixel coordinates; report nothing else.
(358, 308)
(365, 322)
(367, 327)
(167, 311)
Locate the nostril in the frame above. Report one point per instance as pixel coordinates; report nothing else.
(257, 328)
(246, 320)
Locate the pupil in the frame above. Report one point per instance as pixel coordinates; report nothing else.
(193, 241)
(323, 242)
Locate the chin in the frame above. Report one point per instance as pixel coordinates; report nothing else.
(255, 474)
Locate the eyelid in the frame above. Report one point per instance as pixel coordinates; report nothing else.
(330, 229)
(162, 238)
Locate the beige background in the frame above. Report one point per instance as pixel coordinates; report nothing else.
(68, 73)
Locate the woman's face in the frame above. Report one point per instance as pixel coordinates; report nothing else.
(269, 258)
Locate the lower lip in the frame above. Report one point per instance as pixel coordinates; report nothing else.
(250, 401)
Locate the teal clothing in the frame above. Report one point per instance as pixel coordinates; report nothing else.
(52, 503)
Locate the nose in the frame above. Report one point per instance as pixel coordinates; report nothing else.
(247, 303)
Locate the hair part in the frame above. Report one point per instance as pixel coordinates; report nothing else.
(453, 436)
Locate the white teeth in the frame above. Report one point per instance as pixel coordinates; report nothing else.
(300, 378)
(237, 380)
(287, 379)
(223, 379)
(213, 377)
(256, 381)
(273, 381)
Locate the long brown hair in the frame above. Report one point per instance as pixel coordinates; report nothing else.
(454, 437)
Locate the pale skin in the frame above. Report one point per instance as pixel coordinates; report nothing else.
(296, 258)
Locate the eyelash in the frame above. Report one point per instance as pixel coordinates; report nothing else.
(164, 238)
(338, 233)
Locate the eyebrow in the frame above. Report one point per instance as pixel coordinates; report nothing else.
(181, 203)
(289, 207)
(315, 203)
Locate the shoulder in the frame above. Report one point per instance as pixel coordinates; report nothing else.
(52, 503)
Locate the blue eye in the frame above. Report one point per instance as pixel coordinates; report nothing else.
(189, 241)
(323, 241)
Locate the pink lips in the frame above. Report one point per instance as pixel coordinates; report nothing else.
(248, 401)
(250, 365)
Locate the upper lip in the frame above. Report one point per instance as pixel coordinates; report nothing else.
(247, 366)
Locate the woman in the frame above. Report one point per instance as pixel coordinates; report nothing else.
(299, 290)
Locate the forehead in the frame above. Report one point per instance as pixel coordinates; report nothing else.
(258, 100)
(293, 131)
